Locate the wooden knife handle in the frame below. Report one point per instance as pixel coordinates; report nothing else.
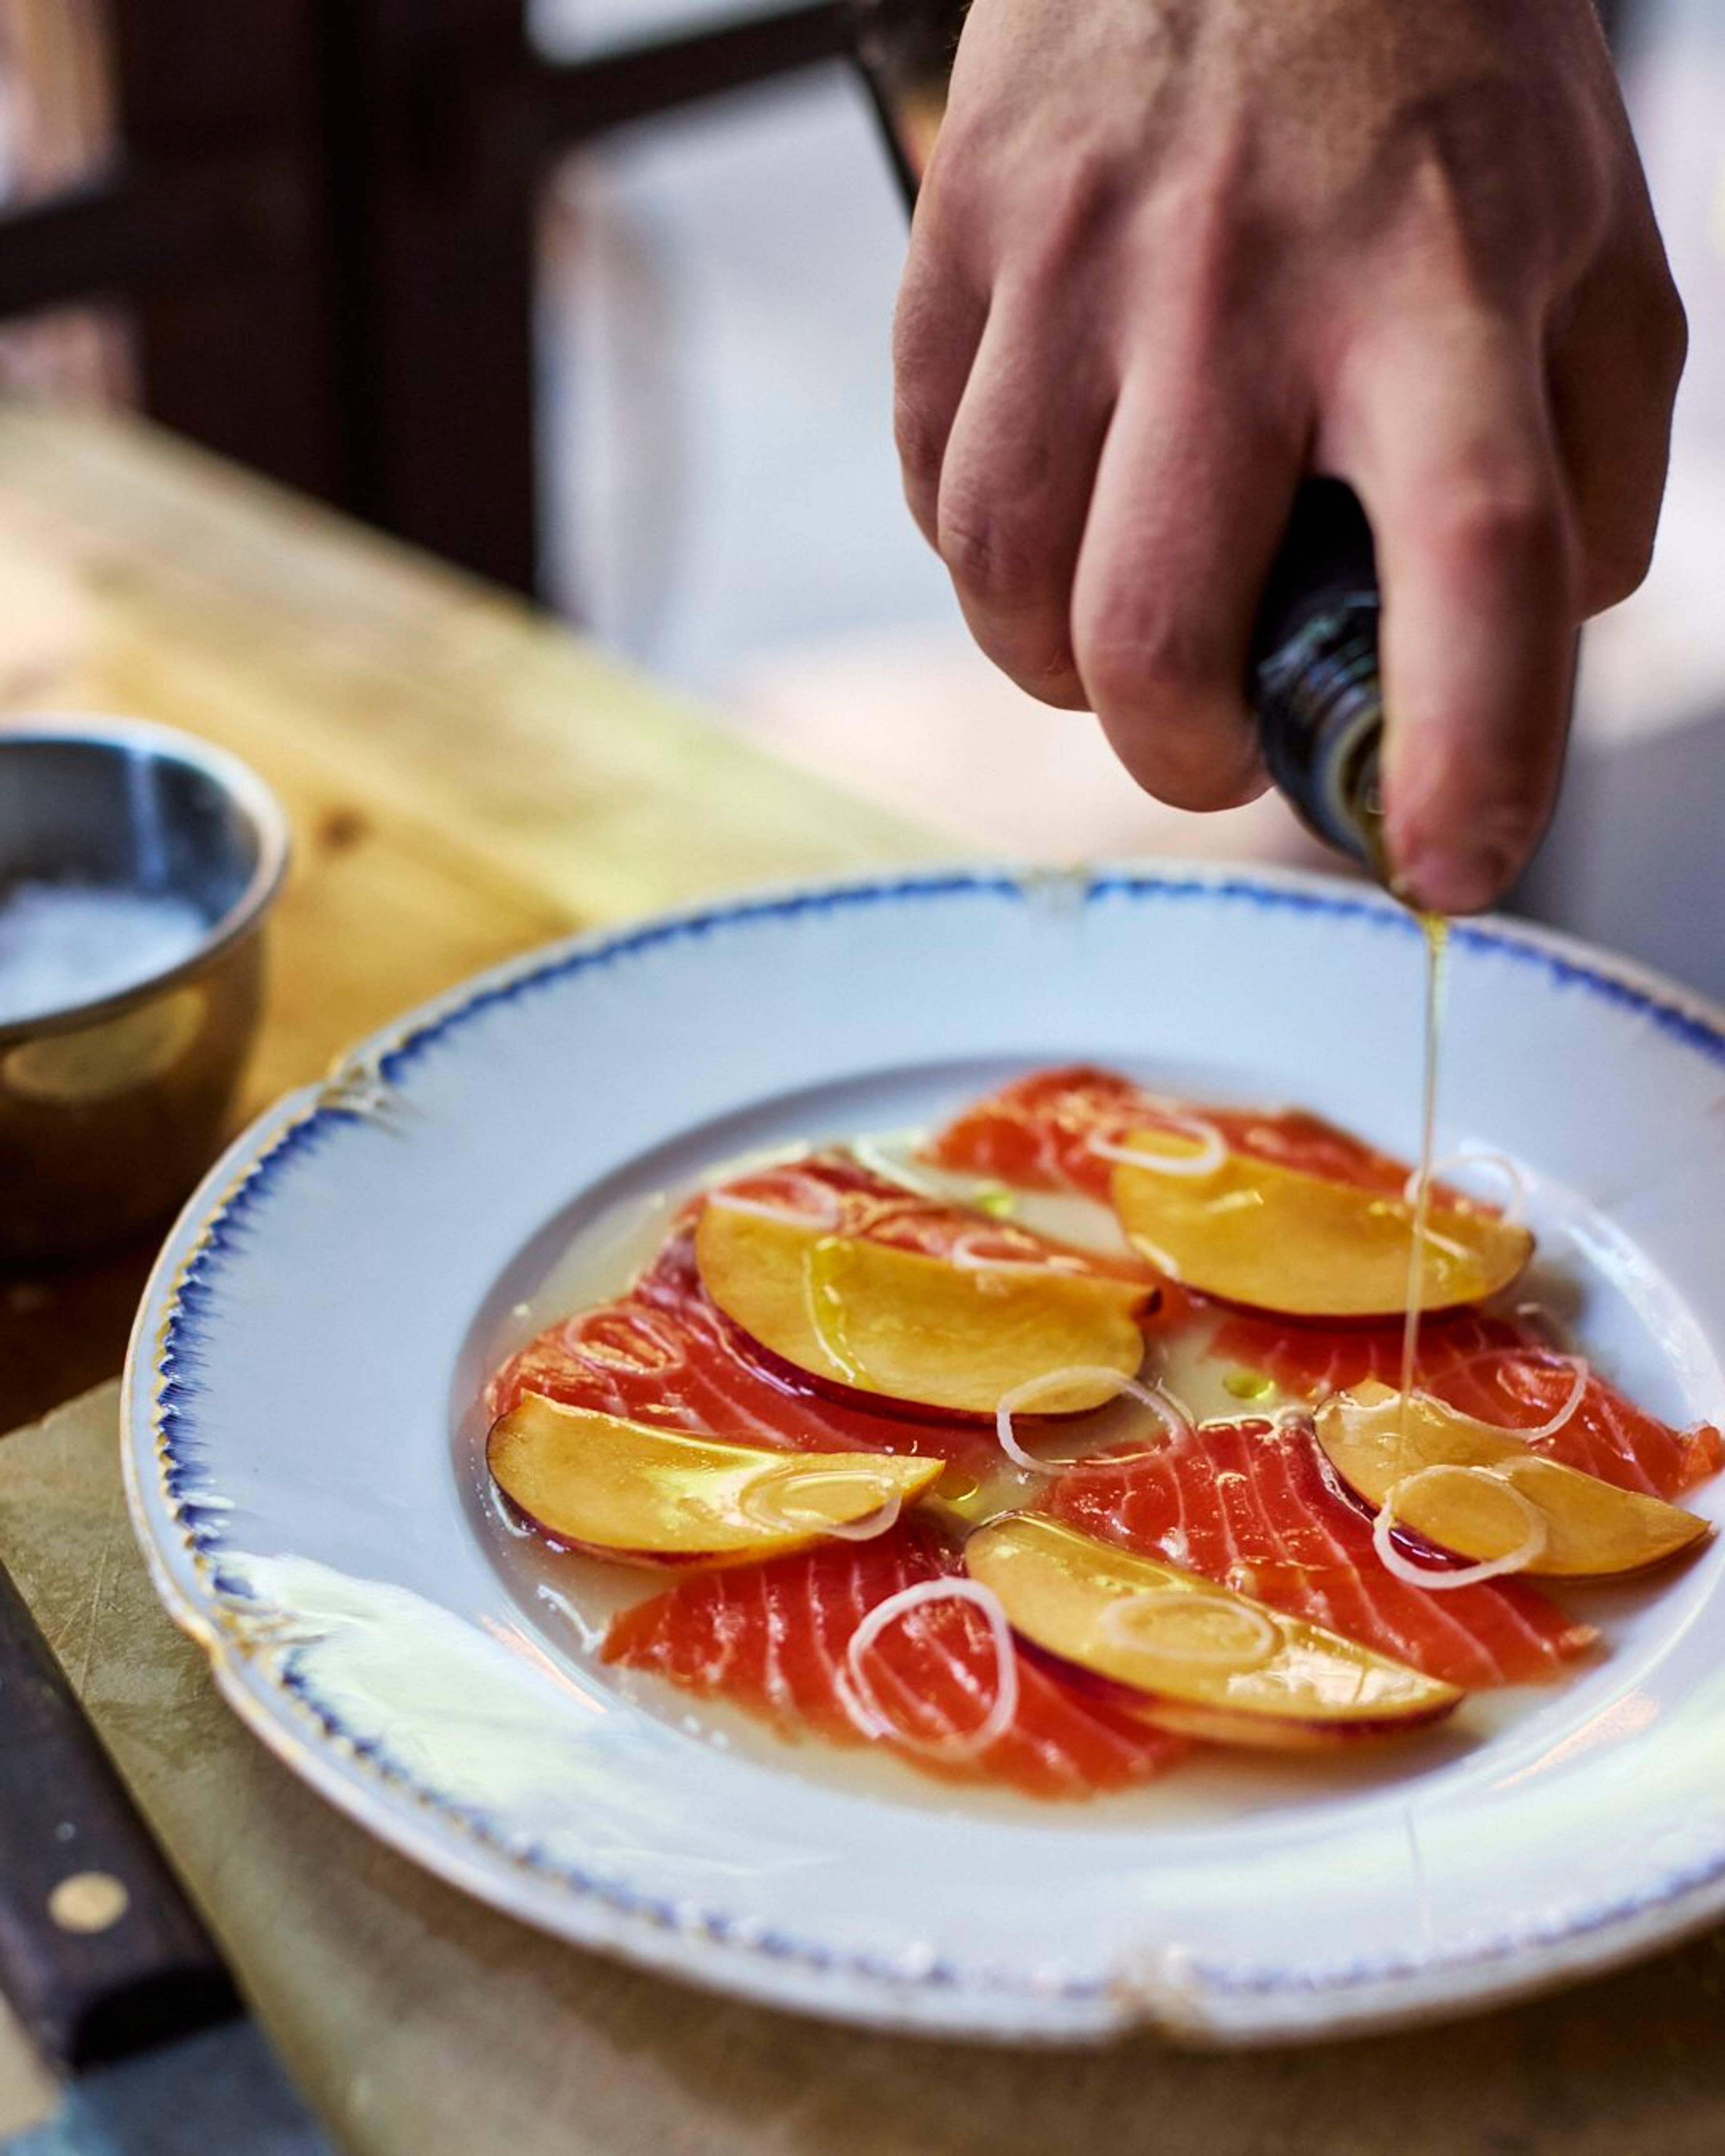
(100, 1953)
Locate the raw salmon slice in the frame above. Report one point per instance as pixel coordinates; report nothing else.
(1040, 1132)
(1499, 1368)
(664, 1354)
(771, 1639)
(1254, 1505)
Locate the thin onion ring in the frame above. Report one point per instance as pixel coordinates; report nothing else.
(771, 1485)
(1175, 1417)
(863, 1703)
(1580, 1375)
(1442, 1581)
(669, 1354)
(1512, 1215)
(761, 1209)
(1114, 1624)
(963, 1256)
(1212, 1153)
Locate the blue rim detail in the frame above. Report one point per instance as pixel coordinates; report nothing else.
(180, 1452)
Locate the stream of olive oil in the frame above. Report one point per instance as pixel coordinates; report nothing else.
(1437, 943)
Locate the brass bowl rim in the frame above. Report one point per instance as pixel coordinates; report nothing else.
(262, 813)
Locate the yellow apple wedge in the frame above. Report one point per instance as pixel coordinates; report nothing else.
(913, 1328)
(1255, 1232)
(637, 1495)
(1188, 1654)
(1482, 1493)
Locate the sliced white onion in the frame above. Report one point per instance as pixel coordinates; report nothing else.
(1116, 1622)
(1513, 1213)
(870, 1154)
(669, 1353)
(765, 1500)
(1558, 1335)
(1578, 1387)
(1211, 1152)
(863, 1703)
(1174, 1416)
(766, 1209)
(1430, 1576)
(963, 1256)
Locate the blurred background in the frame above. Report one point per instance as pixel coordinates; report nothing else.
(594, 296)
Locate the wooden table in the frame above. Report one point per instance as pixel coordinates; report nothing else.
(466, 778)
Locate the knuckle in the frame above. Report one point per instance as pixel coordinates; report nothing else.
(1500, 513)
(1000, 564)
(1077, 218)
(1141, 664)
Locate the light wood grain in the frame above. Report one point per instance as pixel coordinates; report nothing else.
(328, 656)
(466, 776)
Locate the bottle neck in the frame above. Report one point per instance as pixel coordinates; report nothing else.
(1319, 702)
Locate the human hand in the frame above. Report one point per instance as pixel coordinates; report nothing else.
(1172, 254)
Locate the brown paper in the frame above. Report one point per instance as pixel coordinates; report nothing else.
(420, 2024)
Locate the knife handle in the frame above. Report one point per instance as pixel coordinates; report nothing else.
(100, 1951)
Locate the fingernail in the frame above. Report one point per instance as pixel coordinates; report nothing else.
(1455, 880)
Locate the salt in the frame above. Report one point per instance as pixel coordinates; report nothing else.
(65, 944)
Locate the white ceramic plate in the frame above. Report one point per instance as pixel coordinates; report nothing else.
(304, 1476)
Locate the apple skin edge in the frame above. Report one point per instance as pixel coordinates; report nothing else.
(1238, 1731)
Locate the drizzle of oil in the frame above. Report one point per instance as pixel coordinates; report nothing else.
(1436, 930)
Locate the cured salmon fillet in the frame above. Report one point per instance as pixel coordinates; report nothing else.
(1500, 1369)
(771, 1639)
(664, 1354)
(1253, 1506)
(1040, 1131)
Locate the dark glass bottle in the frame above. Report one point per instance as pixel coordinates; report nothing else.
(1312, 679)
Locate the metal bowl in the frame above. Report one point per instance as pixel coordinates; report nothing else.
(111, 1108)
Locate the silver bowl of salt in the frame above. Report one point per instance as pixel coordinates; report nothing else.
(136, 866)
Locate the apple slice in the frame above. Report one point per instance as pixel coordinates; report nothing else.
(1187, 1654)
(1482, 1493)
(640, 1496)
(1274, 1237)
(914, 1328)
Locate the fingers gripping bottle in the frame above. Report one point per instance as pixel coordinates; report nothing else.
(1312, 679)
